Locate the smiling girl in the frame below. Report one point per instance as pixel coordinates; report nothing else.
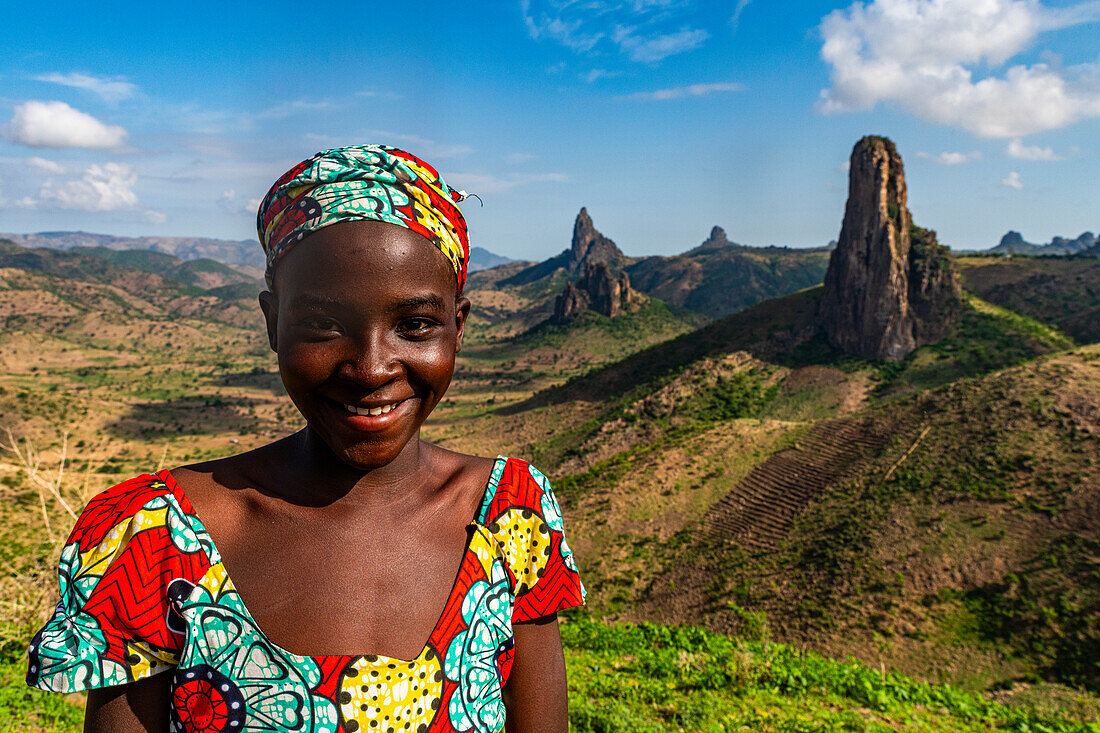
(349, 577)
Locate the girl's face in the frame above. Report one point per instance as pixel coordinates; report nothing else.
(366, 324)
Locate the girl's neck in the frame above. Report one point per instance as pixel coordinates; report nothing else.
(310, 474)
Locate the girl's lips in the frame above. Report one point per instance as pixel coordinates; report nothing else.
(373, 419)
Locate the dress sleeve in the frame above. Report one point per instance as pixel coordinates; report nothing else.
(529, 526)
(114, 622)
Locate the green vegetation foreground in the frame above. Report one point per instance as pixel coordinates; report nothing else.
(651, 677)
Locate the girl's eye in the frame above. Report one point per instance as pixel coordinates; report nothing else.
(417, 326)
(322, 324)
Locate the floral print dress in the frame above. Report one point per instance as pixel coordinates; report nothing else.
(144, 591)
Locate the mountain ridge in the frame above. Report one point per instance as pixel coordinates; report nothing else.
(1013, 243)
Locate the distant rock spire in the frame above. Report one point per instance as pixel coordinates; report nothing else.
(716, 239)
(589, 246)
(890, 287)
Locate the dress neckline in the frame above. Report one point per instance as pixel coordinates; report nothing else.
(478, 523)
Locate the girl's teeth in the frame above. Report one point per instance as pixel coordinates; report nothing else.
(369, 410)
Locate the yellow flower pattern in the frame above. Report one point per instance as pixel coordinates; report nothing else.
(379, 693)
(525, 539)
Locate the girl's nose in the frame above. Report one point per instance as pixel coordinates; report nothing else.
(372, 363)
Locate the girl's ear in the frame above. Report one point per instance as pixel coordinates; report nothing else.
(269, 304)
(462, 312)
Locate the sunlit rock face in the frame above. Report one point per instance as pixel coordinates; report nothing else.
(890, 287)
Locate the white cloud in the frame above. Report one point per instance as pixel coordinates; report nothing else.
(107, 187)
(482, 183)
(918, 55)
(949, 158)
(420, 146)
(111, 89)
(1013, 181)
(375, 93)
(50, 166)
(297, 106)
(557, 28)
(1017, 149)
(656, 47)
(736, 19)
(646, 31)
(597, 74)
(520, 158)
(236, 204)
(57, 125)
(691, 90)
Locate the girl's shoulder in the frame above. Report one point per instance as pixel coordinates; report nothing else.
(135, 549)
(515, 484)
(522, 515)
(125, 501)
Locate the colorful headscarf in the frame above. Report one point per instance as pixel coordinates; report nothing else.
(363, 182)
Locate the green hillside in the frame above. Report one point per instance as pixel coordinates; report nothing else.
(780, 337)
(71, 290)
(652, 678)
(204, 272)
(718, 281)
(1060, 291)
(734, 477)
(81, 267)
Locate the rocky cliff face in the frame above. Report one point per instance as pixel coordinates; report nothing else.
(890, 287)
(599, 289)
(589, 246)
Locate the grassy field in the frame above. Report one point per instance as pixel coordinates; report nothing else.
(658, 678)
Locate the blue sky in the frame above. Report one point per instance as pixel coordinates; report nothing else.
(663, 117)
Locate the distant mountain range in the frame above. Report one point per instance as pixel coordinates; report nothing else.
(713, 279)
(118, 267)
(719, 277)
(1013, 243)
(91, 280)
(483, 259)
(240, 253)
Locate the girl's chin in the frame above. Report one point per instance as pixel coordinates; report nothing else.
(364, 455)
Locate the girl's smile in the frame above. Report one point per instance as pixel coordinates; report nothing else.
(373, 419)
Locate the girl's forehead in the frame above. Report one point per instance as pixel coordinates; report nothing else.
(368, 255)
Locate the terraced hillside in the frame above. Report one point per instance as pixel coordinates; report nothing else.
(758, 513)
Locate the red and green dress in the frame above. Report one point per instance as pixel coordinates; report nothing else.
(144, 591)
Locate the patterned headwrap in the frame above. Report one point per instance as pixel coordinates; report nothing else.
(363, 182)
